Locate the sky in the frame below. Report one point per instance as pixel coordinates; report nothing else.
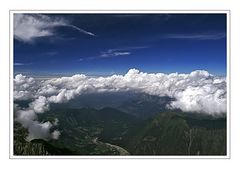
(106, 44)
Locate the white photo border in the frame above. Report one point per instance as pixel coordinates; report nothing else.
(228, 77)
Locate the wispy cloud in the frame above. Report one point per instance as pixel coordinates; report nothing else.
(116, 52)
(120, 51)
(81, 30)
(28, 27)
(199, 36)
(21, 64)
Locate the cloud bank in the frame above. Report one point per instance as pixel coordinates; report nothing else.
(197, 92)
(28, 27)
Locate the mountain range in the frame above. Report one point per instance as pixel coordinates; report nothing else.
(136, 124)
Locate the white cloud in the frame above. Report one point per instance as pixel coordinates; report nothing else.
(206, 99)
(198, 92)
(40, 105)
(36, 129)
(23, 80)
(39, 130)
(55, 134)
(28, 27)
(42, 131)
(25, 117)
(24, 87)
(47, 90)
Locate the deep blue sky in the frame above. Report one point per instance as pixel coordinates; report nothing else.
(148, 42)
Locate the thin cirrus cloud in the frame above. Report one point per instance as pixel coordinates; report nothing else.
(28, 27)
(120, 51)
(196, 92)
(116, 52)
(21, 64)
(81, 30)
(200, 36)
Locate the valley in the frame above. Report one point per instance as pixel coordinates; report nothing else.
(110, 131)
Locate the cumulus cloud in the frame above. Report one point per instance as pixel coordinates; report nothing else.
(39, 105)
(36, 129)
(28, 119)
(198, 92)
(24, 87)
(42, 131)
(207, 99)
(25, 117)
(28, 27)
